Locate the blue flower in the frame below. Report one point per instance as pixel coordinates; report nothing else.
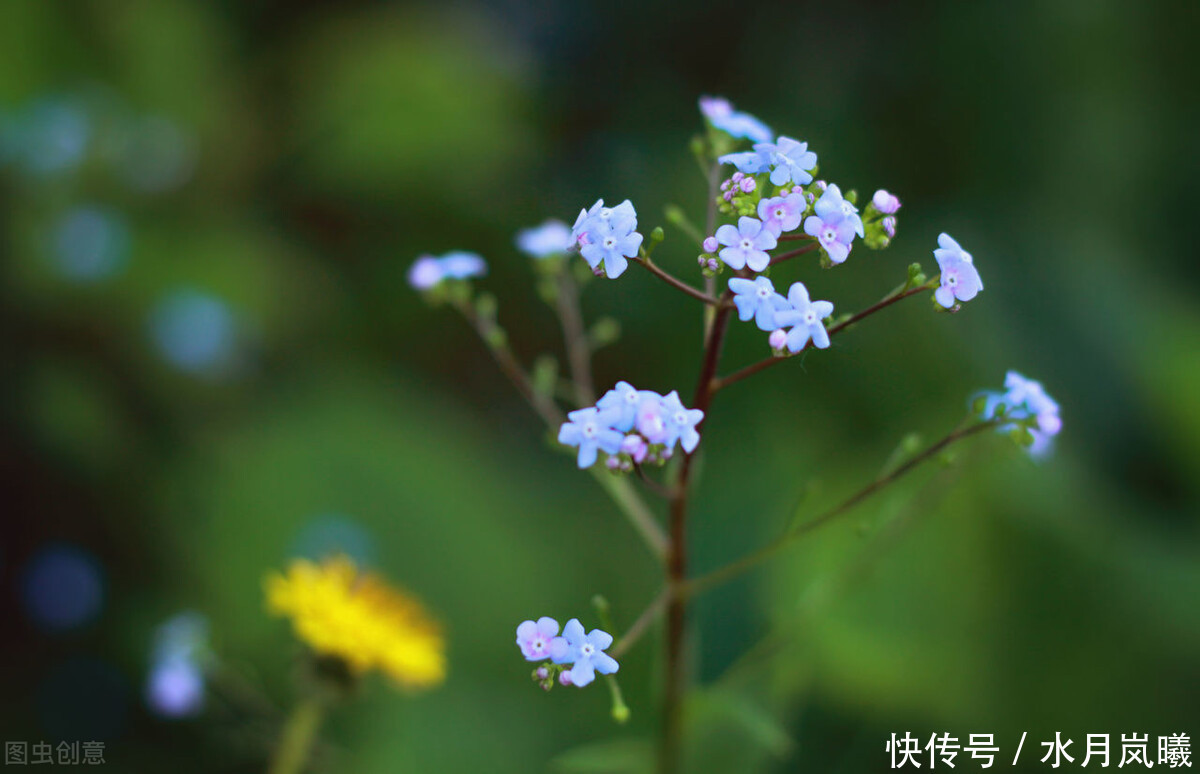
(757, 299)
(586, 653)
(960, 279)
(591, 430)
(681, 422)
(721, 115)
(746, 245)
(831, 226)
(427, 271)
(175, 686)
(553, 237)
(462, 265)
(608, 235)
(789, 160)
(539, 640)
(782, 213)
(1026, 399)
(807, 317)
(622, 402)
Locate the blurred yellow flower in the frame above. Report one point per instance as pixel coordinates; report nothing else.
(358, 618)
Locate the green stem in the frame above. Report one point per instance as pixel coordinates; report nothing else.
(299, 735)
(750, 561)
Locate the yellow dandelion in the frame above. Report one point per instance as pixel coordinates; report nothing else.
(355, 616)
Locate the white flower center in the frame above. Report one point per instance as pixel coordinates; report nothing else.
(951, 279)
(539, 644)
(810, 317)
(780, 213)
(589, 430)
(680, 418)
(605, 213)
(829, 235)
(610, 241)
(764, 293)
(631, 397)
(587, 650)
(746, 244)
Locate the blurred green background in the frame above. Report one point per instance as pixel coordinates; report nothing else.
(213, 363)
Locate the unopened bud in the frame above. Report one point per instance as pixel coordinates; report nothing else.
(778, 338)
(711, 244)
(885, 202)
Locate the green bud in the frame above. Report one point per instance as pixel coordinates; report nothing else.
(620, 713)
(486, 305)
(496, 338)
(851, 196)
(979, 404)
(911, 443)
(656, 238)
(604, 331)
(544, 375)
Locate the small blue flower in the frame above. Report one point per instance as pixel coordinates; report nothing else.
(591, 430)
(539, 640)
(428, 271)
(462, 265)
(586, 653)
(622, 402)
(721, 115)
(807, 317)
(746, 245)
(960, 279)
(1026, 399)
(831, 226)
(757, 299)
(681, 422)
(608, 235)
(789, 160)
(611, 246)
(553, 237)
(782, 213)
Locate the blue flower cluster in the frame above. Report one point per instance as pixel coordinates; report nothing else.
(757, 299)
(631, 426)
(576, 656)
(607, 237)
(428, 271)
(1032, 411)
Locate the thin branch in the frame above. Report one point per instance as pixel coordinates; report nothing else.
(752, 560)
(579, 351)
(793, 253)
(619, 489)
(650, 483)
(675, 282)
(486, 328)
(721, 383)
(641, 625)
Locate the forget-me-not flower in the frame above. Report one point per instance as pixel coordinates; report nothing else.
(1025, 399)
(586, 653)
(608, 235)
(681, 422)
(539, 639)
(592, 431)
(833, 230)
(782, 213)
(789, 160)
(807, 317)
(757, 299)
(428, 271)
(746, 245)
(960, 279)
(720, 114)
(553, 237)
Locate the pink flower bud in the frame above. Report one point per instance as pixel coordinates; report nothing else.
(711, 244)
(737, 176)
(542, 673)
(748, 185)
(885, 202)
(564, 677)
(778, 338)
(889, 226)
(713, 265)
